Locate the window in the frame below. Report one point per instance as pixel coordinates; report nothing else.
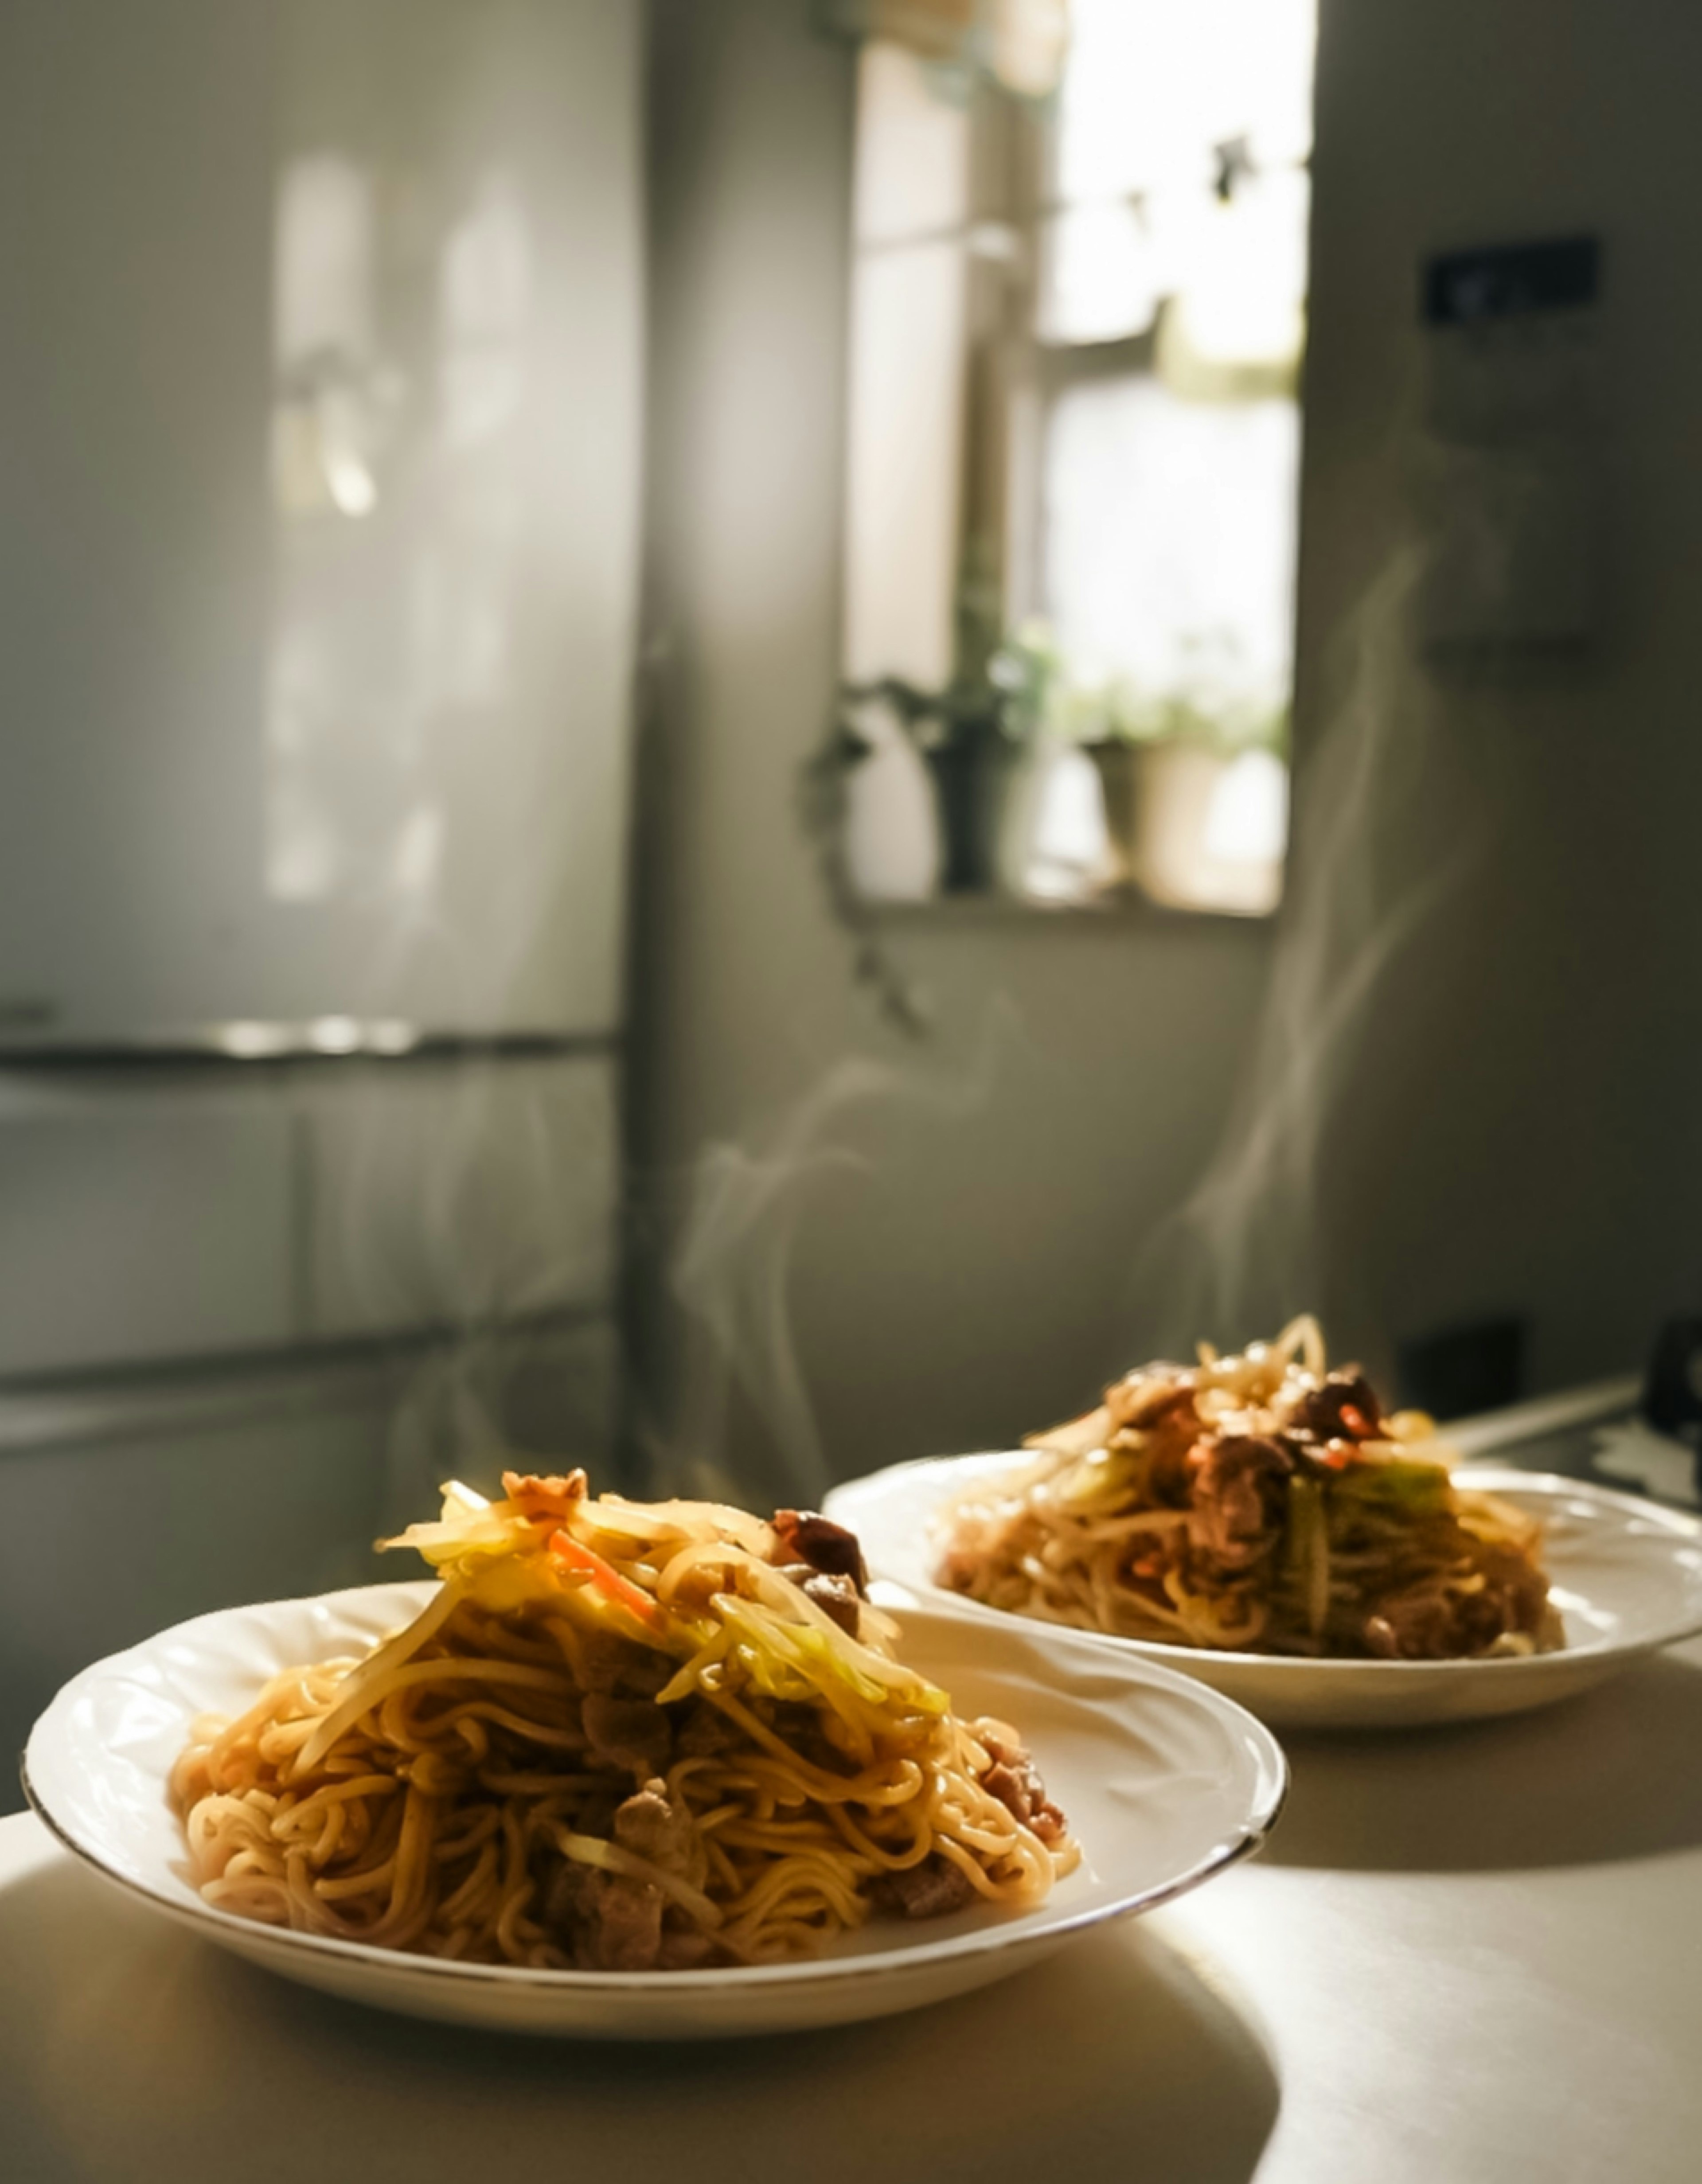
(1074, 438)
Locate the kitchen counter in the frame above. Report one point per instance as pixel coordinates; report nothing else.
(1466, 1954)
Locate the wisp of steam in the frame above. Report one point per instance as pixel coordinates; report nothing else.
(744, 1425)
(1247, 1247)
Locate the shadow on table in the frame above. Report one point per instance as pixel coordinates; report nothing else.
(135, 2051)
(1614, 1773)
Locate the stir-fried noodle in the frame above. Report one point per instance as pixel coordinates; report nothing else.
(1258, 1503)
(620, 1737)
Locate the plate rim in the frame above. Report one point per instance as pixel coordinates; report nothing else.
(1679, 1523)
(1270, 1789)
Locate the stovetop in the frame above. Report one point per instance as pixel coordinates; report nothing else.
(1594, 1433)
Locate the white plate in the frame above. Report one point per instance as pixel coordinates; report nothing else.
(1164, 1782)
(1627, 1576)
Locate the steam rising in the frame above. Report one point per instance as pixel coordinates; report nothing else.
(733, 1277)
(1250, 1245)
(745, 1425)
(1251, 1242)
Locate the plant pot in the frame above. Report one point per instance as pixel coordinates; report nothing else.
(1120, 767)
(973, 775)
(1185, 856)
(891, 835)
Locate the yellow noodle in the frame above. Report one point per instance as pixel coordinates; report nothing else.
(1129, 1536)
(419, 1798)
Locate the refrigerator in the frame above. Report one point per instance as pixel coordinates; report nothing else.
(321, 370)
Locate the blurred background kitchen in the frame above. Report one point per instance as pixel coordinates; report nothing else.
(651, 657)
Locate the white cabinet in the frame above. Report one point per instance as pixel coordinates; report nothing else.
(131, 1507)
(321, 391)
(321, 382)
(153, 1215)
(456, 1195)
(153, 1219)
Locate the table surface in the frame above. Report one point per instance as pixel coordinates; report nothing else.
(1471, 1953)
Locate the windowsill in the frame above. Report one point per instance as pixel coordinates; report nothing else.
(1109, 912)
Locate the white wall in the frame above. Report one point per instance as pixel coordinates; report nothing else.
(970, 1274)
(1482, 1087)
(1522, 1126)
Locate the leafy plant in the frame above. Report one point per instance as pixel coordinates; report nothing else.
(1004, 692)
(1206, 703)
(1119, 716)
(996, 701)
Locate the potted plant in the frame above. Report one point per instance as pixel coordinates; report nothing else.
(1162, 759)
(973, 736)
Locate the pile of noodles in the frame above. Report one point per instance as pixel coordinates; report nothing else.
(1258, 1503)
(619, 1737)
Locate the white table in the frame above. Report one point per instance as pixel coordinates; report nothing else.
(1470, 1954)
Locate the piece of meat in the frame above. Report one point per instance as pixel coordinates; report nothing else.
(1170, 1442)
(1014, 1779)
(1005, 1784)
(651, 1827)
(836, 1596)
(611, 1664)
(538, 1497)
(1516, 1590)
(705, 1733)
(608, 1923)
(568, 1900)
(623, 1933)
(1320, 1411)
(1235, 1480)
(806, 1728)
(823, 1545)
(1423, 1624)
(1412, 1627)
(928, 1891)
(634, 1733)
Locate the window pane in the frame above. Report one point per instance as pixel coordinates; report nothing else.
(1153, 86)
(1171, 542)
(1102, 275)
(1242, 289)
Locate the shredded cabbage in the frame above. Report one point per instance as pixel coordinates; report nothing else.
(718, 1597)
